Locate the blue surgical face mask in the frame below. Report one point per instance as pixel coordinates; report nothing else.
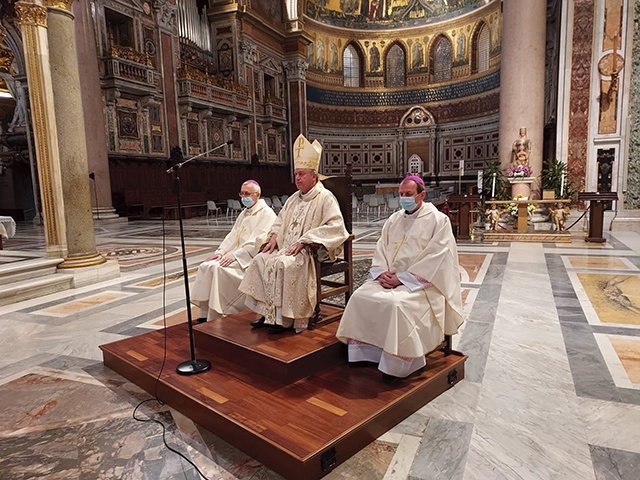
(408, 203)
(248, 202)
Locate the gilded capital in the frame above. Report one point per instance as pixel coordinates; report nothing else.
(63, 4)
(31, 14)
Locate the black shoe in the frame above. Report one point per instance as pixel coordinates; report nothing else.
(258, 323)
(276, 329)
(201, 320)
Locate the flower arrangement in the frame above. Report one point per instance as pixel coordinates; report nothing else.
(512, 208)
(520, 171)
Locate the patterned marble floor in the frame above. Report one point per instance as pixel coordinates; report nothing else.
(552, 388)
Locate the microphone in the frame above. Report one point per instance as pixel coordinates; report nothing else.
(179, 165)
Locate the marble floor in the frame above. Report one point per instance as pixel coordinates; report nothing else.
(552, 387)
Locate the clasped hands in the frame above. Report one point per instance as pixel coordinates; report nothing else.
(388, 280)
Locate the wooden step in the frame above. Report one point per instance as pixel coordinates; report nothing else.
(287, 356)
(301, 429)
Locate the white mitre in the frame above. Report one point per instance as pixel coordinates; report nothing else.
(305, 154)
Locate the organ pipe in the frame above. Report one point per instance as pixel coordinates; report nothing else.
(194, 26)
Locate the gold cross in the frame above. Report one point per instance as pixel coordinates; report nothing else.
(299, 147)
(400, 244)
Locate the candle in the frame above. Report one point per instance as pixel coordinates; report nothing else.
(562, 185)
(493, 187)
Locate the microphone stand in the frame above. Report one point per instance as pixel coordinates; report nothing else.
(193, 365)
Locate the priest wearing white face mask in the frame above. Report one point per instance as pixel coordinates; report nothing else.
(215, 290)
(412, 296)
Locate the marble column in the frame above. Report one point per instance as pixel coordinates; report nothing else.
(522, 77)
(72, 144)
(33, 25)
(94, 114)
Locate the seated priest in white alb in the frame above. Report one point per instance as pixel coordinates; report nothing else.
(412, 296)
(280, 283)
(215, 290)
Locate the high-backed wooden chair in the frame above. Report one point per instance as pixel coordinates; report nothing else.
(330, 287)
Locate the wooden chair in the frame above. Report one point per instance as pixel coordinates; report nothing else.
(328, 288)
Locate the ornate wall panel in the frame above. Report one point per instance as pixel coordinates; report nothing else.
(632, 197)
(580, 87)
(475, 150)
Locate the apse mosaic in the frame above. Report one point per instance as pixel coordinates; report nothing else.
(385, 14)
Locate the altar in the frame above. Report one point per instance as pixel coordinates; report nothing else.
(521, 232)
(7, 228)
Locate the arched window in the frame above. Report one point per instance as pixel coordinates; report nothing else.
(483, 49)
(395, 67)
(351, 66)
(442, 56)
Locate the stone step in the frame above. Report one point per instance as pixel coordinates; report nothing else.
(18, 271)
(35, 287)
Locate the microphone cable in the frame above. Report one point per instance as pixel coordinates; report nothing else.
(156, 397)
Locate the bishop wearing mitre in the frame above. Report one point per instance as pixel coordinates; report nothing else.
(280, 283)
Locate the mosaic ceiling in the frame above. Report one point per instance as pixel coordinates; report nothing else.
(387, 14)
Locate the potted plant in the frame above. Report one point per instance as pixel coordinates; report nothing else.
(556, 176)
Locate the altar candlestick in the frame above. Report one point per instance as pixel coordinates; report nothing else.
(562, 185)
(493, 186)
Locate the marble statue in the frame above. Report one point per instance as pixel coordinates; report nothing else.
(521, 149)
(559, 215)
(493, 216)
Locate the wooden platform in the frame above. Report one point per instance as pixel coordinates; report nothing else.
(301, 429)
(287, 357)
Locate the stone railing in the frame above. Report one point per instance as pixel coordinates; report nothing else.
(209, 94)
(129, 71)
(128, 53)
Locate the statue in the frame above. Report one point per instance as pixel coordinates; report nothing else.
(493, 215)
(559, 215)
(521, 149)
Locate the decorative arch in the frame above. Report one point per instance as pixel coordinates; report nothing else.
(440, 58)
(395, 65)
(353, 64)
(417, 116)
(480, 48)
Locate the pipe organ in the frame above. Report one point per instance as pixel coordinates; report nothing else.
(193, 26)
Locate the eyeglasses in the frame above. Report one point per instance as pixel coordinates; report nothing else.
(246, 194)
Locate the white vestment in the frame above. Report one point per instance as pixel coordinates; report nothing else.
(398, 327)
(282, 287)
(216, 288)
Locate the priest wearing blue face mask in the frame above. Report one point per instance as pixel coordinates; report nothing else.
(215, 290)
(411, 299)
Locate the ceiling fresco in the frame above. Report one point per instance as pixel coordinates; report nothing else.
(387, 14)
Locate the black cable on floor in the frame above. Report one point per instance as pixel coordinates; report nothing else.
(156, 398)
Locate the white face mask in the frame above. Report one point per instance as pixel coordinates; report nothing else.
(248, 202)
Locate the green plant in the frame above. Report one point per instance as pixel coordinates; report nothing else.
(553, 172)
(500, 191)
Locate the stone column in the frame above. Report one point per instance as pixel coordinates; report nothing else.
(522, 76)
(94, 114)
(72, 144)
(33, 24)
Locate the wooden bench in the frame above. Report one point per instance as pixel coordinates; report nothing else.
(170, 212)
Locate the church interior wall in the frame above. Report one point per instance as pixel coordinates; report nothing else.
(377, 145)
(631, 184)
